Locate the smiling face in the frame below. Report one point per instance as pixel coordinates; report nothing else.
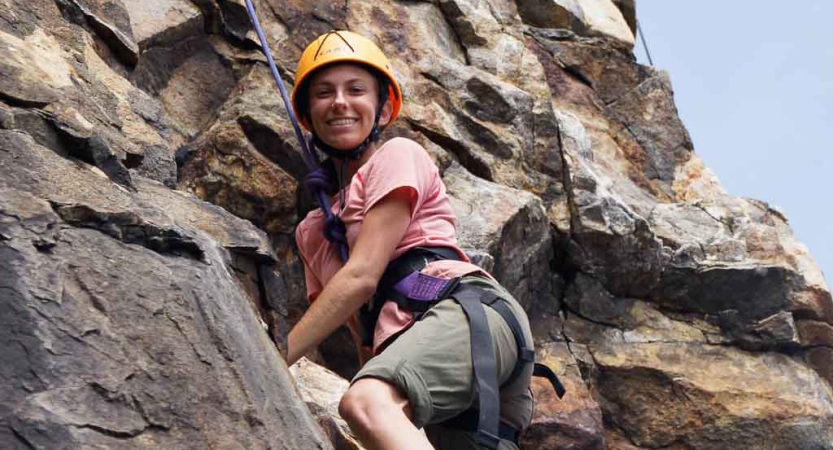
(342, 105)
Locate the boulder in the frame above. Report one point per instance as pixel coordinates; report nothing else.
(663, 394)
(510, 226)
(603, 18)
(628, 9)
(157, 22)
(107, 293)
(322, 390)
(574, 421)
(592, 18)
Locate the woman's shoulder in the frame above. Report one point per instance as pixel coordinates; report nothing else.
(401, 154)
(402, 147)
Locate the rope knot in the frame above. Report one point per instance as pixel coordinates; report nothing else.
(319, 180)
(335, 231)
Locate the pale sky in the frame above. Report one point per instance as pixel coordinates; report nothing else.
(753, 82)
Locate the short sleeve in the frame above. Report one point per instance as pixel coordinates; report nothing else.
(400, 163)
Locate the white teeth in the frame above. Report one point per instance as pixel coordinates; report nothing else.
(342, 121)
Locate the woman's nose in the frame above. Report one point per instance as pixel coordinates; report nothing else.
(340, 99)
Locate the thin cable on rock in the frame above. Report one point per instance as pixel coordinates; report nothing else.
(644, 44)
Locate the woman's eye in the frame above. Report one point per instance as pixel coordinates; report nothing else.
(357, 90)
(322, 93)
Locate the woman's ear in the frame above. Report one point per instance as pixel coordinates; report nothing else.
(387, 111)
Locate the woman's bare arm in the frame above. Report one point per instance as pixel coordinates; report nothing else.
(381, 231)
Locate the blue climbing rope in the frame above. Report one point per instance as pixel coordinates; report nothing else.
(310, 158)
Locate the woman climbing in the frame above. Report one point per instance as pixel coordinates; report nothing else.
(443, 346)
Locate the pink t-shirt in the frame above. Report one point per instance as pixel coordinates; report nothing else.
(398, 163)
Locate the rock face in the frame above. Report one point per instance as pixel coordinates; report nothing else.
(125, 325)
(149, 191)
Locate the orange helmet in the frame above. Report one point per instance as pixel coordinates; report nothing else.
(336, 47)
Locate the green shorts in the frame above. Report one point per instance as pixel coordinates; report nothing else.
(431, 365)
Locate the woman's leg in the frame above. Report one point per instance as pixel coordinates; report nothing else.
(381, 417)
(429, 370)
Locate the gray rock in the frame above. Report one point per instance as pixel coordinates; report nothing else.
(27, 78)
(649, 114)
(170, 308)
(189, 77)
(157, 22)
(608, 239)
(111, 22)
(509, 225)
(566, 14)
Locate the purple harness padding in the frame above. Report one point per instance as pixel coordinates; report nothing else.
(421, 287)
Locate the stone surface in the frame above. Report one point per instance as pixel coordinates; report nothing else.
(227, 171)
(648, 113)
(513, 216)
(566, 14)
(105, 294)
(688, 395)
(110, 21)
(628, 9)
(599, 18)
(32, 73)
(574, 421)
(151, 21)
(603, 18)
(322, 389)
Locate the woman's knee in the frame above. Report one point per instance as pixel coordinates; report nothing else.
(368, 398)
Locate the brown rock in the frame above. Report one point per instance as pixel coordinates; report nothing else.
(227, 171)
(322, 390)
(661, 394)
(815, 333)
(821, 359)
(649, 113)
(574, 421)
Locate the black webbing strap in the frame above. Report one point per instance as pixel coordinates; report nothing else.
(471, 418)
(541, 370)
(414, 260)
(485, 369)
(525, 354)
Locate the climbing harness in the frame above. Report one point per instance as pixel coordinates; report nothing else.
(334, 228)
(404, 284)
